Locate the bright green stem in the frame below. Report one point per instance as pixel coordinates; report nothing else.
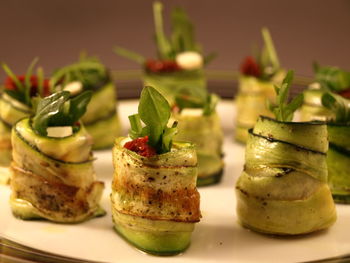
(270, 48)
(164, 47)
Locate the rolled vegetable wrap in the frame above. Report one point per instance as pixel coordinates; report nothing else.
(101, 118)
(16, 104)
(52, 171)
(155, 203)
(283, 188)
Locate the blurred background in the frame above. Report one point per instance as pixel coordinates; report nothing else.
(56, 31)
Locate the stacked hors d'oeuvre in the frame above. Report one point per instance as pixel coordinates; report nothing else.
(283, 188)
(101, 118)
(52, 169)
(179, 61)
(256, 85)
(15, 104)
(338, 155)
(199, 123)
(327, 79)
(155, 203)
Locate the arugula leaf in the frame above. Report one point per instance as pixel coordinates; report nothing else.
(154, 111)
(283, 110)
(13, 76)
(163, 44)
(338, 105)
(332, 78)
(270, 48)
(129, 54)
(40, 74)
(27, 81)
(59, 110)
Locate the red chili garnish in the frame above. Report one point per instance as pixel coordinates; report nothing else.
(345, 93)
(161, 66)
(11, 85)
(141, 147)
(249, 67)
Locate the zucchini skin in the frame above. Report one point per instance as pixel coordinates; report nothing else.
(101, 118)
(59, 191)
(155, 202)
(206, 134)
(250, 103)
(168, 84)
(283, 189)
(338, 161)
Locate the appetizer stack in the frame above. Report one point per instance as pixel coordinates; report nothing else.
(101, 119)
(155, 203)
(256, 85)
(180, 61)
(52, 171)
(327, 79)
(15, 104)
(199, 123)
(283, 189)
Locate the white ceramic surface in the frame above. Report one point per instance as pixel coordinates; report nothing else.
(217, 238)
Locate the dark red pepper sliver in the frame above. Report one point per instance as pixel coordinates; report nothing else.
(161, 66)
(345, 93)
(11, 85)
(141, 147)
(249, 67)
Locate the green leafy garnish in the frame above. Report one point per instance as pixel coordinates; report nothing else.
(283, 110)
(24, 88)
(130, 55)
(154, 111)
(332, 78)
(196, 97)
(59, 110)
(339, 106)
(88, 70)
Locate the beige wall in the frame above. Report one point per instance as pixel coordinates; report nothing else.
(55, 30)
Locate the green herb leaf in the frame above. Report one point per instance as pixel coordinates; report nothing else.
(78, 105)
(339, 106)
(40, 74)
(332, 78)
(210, 106)
(136, 126)
(167, 137)
(13, 76)
(130, 55)
(27, 82)
(283, 110)
(270, 48)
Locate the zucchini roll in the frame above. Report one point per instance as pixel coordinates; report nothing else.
(200, 124)
(52, 170)
(16, 104)
(180, 60)
(283, 188)
(101, 118)
(255, 86)
(327, 79)
(338, 155)
(155, 203)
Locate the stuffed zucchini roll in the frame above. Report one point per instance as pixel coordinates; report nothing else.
(338, 155)
(180, 61)
(200, 124)
(255, 86)
(52, 171)
(101, 119)
(327, 79)
(283, 188)
(15, 104)
(155, 203)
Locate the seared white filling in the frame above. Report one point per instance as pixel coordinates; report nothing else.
(192, 112)
(74, 87)
(189, 60)
(59, 132)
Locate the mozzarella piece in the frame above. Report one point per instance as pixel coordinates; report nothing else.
(59, 132)
(74, 87)
(192, 112)
(189, 60)
(315, 85)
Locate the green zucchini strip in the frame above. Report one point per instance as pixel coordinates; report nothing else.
(155, 203)
(206, 133)
(283, 189)
(42, 186)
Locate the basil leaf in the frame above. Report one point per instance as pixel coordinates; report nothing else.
(46, 109)
(154, 111)
(332, 78)
(136, 126)
(339, 106)
(78, 105)
(15, 94)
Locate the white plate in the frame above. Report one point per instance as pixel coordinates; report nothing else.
(217, 238)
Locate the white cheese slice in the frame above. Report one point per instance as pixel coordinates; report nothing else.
(192, 112)
(74, 87)
(189, 60)
(59, 132)
(315, 85)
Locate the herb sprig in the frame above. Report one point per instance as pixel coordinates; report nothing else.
(339, 106)
(59, 109)
(197, 97)
(23, 89)
(332, 78)
(154, 111)
(283, 110)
